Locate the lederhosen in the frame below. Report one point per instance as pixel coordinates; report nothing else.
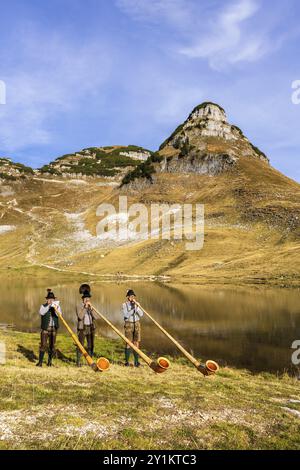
(87, 331)
(132, 329)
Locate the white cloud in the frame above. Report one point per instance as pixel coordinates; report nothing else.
(220, 35)
(53, 78)
(229, 41)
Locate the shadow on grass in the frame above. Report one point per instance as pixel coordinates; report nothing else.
(28, 353)
(32, 357)
(59, 355)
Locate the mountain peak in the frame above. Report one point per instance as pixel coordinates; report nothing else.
(206, 143)
(210, 120)
(208, 110)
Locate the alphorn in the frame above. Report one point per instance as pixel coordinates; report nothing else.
(159, 366)
(101, 364)
(210, 367)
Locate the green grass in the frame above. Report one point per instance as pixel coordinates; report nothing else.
(64, 407)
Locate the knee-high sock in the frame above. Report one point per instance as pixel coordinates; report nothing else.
(127, 354)
(136, 357)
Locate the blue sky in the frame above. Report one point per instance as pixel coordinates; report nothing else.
(83, 73)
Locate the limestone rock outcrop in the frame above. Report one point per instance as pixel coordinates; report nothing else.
(206, 143)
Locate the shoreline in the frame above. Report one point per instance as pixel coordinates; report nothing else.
(288, 282)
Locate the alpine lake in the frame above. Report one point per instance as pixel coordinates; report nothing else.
(243, 327)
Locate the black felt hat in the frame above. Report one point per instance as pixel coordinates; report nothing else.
(50, 294)
(84, 288)
(86, 294)
(130, 292)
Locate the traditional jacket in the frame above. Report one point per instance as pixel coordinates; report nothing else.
(131, 312)
(85, 316)
(49, 316)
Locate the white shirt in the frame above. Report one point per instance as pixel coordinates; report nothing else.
(131, 312)
(45, 308)
(87, 319)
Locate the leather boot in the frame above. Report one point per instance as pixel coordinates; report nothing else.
(41, 358)
(49, 363)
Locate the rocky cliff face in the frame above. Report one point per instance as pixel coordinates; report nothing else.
(10, 171)
(210, 120)
(109, 162)
(206, 144)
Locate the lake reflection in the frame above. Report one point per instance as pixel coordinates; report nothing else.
(244, 327)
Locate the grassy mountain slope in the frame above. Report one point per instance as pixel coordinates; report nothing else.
(251, 227)
(97, 161)
(252, 211)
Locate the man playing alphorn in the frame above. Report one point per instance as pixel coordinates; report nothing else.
(132, 315)
(86, 325)
(49, 327)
